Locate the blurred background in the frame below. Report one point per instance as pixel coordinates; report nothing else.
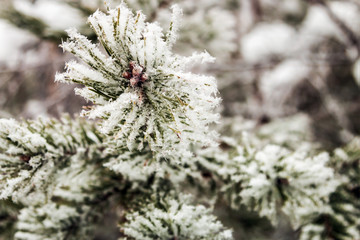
(282, 65)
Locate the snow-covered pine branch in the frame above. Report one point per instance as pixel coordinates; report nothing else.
(276, 180)
(53, 170)
(174, 218)
(57, 177)
(272, 180)
(141, 89)
(341, 219)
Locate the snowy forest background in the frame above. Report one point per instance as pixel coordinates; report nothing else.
(288, 72)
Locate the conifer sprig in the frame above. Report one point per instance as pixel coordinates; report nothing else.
(140, 88)
(53, 170)
(174, 218)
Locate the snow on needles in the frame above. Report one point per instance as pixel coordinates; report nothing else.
(175, 219)
(275, 179)
(143, 93)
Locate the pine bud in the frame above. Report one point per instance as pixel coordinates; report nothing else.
(132, 64)
(144, 77)
(126, 75)
(134, 81)
(136, 71)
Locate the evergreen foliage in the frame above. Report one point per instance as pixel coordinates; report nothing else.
(151, 154)
(174, 218)
(141, 89)
(53, 171)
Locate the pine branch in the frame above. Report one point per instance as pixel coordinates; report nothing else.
(54, 169)
(141, 89)
(341, 220)
(173, 218)
(273, 180)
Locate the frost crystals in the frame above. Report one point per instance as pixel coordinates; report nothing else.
(141, 89)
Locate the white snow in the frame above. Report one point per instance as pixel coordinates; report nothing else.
(11, 41)
(277, 84)
(58, 16)
(266, 40)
